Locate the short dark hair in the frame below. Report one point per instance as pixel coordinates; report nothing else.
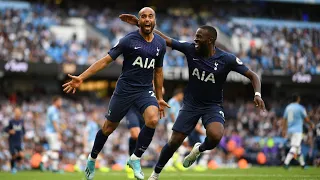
(295, 97)
(55, 98)
(177, 91)
(212, 31)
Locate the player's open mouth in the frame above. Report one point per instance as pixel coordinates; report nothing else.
(147, 26)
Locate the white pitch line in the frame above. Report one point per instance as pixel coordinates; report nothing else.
(215, 175)
(193, 175)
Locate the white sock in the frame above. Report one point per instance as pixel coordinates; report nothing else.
(301, 160)
(134, 157)
(90, 158)
(45, 158)
(288, 158)
(55, 164)
(197, 150)
(155, 174)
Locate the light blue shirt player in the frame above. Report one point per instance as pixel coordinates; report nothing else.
(295, 115)
(175, 108)
(92, 128)
(53, 115)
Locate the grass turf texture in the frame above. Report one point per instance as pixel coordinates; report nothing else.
(247, 174)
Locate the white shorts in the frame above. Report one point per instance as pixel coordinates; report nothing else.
(54, 142)
(295, 139)
(88, 147)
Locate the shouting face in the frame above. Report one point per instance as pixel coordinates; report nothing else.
(147, 20)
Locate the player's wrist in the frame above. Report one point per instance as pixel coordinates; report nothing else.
(257, 94)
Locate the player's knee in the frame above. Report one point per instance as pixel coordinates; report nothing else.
(108, 128)
(54, 155)
(21, 155)
(176, 140)
(106, 131)
(293, 150)
(134, 135)
(19, 158)
(215, 137)
(151, 120)
(151, 116)
(152, 123)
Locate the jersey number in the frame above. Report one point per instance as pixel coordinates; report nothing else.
(290, 116)
(152, 94)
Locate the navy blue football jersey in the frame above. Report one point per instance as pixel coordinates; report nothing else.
(18, 127)
(207, 75)
(140, 59)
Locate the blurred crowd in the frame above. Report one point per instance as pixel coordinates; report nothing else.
(250, 134)
(25, 35)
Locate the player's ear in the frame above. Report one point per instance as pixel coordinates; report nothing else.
(211, 40)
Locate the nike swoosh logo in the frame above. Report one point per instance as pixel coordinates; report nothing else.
(195, 59)
(137, 47)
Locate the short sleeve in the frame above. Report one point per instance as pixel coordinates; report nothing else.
(173, 109)
(285, 114)
(159, 61)
(181, 46)
(237, 65)
(87, 128)
(55, 116)
(303, 112)
(117, 49)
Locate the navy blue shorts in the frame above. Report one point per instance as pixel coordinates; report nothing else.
(134, 118)
(15, 148)
(193, 138)
(120, 104)
(188, 118)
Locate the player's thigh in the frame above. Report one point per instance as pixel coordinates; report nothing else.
(134, 118)
(134, 121)
(186, 121)
(193, 138)
(119, 106)
(20, 151)
(13, 151)
(147, 104)
(176, 139)
(296, 139)
(213, 121)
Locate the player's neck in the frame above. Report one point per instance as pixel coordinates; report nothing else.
(211, 51)
(147, 37)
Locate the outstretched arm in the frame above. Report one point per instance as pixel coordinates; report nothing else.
(132, 19)
(257, 88)
(95, 67)
(166, 38)
(76, 81)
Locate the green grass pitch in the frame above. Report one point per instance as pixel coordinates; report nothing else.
(255, 173)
